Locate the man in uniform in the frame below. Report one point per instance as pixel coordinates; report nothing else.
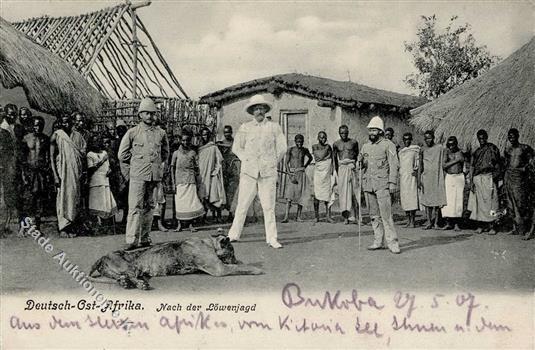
(379, 161)
(345, 152)
(259, 144)
(145, 148)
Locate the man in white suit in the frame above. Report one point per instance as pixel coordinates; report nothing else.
(260, 145)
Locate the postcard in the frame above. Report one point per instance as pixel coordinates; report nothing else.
(267, 175)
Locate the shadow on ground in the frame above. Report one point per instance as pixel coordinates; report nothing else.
(433, 241)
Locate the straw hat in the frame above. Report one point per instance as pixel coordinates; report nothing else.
(147, 105)
(376, 123)
(257, 100)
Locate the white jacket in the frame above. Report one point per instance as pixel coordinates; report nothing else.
(260, 146)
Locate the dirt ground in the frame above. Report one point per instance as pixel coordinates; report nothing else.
(315, 256)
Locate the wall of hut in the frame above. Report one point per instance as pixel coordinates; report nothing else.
(357, 121)
(318, 118)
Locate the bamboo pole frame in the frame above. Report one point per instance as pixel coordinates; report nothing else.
(128, 52)
(162, 60)
(94, 43)
(103, 42)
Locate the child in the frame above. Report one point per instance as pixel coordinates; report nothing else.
(101, 201)
(159, 202)
(323, 170)
(184, 172)
(295, 190)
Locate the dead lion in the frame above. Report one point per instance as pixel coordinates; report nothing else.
(133, 269)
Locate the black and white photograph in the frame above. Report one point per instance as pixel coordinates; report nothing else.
(267, 174)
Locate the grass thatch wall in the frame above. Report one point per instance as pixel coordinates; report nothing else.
(50, 84)
(501, 99)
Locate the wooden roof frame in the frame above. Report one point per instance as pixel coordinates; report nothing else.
(111, 48)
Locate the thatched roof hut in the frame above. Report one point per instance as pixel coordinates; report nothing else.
(501, 99)
(51, 85)
(344, 93)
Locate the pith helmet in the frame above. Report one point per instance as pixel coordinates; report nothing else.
(257, 100)
(376, 123)
(147, 105)
(119, 123)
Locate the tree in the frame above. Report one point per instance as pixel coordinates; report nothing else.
(445, 60)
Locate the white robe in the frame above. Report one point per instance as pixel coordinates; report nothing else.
(409, 158)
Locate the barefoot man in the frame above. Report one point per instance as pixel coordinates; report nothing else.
(67, 149)
(323, 170)
(296, 188)
(517, 157)
(485, 172)
(454, 182)
(345, 157)
(432, 187)
(409, 162)
(36, 163)
(8, 163)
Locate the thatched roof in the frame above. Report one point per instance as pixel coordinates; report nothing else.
(100, 46)
(345, 93)
(50, 84)
(501, 99)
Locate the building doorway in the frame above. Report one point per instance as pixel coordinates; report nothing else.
(293, 122)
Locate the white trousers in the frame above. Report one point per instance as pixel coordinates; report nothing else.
(266, 187)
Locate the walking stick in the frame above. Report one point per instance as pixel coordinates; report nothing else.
(359, 199)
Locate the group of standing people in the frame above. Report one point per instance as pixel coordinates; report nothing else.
(430, 178)
(24, 161)
(72, 165)
(260, 145)
(124, 169)
(434, 178)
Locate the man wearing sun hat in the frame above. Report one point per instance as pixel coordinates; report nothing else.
(379, 161)
(259, 144)
(144, 148)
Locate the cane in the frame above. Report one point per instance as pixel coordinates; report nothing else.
(359, 199)
(284, 172)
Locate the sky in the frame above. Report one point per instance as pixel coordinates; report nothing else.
(211, 45)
